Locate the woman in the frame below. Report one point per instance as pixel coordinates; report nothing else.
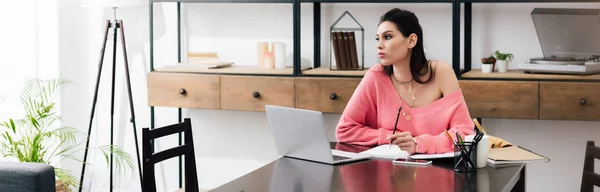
(426, 93)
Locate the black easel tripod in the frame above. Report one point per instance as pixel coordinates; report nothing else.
(118, 24)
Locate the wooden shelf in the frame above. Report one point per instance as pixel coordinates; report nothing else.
(520, 75)
(325, 71)
(242, 70)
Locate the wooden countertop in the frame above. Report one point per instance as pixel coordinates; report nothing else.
(520, 75)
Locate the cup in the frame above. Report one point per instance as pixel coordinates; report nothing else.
(465, 156)
(483, 149)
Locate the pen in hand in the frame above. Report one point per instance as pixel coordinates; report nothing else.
(395, 125)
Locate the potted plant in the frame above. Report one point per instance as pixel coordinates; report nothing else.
(503, 59)
(36, 138)
(487, 64)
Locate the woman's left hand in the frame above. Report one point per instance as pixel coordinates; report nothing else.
(405, 141)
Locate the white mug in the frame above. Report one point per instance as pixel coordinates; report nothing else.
(483, 148)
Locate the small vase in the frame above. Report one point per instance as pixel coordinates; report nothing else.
(502, 65)
(487, 68)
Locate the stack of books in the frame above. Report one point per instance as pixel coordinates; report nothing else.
(202, 61)
(344, 49)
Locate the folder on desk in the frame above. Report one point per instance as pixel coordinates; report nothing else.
(513, 155)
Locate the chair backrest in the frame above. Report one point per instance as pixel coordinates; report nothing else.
(151, 158)
(590, 178)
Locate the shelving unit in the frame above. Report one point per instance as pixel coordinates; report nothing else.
(468, 18)
(521, 95)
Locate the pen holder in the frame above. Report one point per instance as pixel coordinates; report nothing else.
(465, 157)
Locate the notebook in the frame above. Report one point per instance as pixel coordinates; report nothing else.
(513, 155)
(385, 152)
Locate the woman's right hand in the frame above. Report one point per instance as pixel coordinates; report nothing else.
(404, 140)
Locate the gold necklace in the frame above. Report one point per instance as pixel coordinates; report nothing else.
(410, 89)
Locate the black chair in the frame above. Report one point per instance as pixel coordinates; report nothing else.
(590, 178)
(187, 149)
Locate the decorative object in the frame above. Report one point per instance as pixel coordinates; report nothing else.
(269, 60)
(487, 64)
(503, 59)
(35, 138)
(116, 26)
(263, 48)
(343, 46)
(279, 52)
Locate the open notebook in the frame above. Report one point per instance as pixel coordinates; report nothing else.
(394, 152)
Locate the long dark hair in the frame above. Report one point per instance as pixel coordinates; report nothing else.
(408, 23)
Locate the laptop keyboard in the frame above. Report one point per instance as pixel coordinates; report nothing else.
(338, 158)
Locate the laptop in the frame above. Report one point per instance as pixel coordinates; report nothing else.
(300, 134)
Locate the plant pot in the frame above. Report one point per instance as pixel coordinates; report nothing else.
(502, 65)
(487, 68)
(61, 187)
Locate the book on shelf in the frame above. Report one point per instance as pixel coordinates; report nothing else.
(201, 60)
(353, 52)
(336, 47)
(201, 65)
(344, 49)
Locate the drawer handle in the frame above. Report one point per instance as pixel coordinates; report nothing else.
(255, 94)
(182, 91)
(333, 96)
(582, 101)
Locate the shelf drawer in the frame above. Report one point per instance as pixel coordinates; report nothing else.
(252, 93)
(328, 95)
(501, 99)
(183, 90)
(570, 101)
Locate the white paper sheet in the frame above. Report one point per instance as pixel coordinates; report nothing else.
(385, 152)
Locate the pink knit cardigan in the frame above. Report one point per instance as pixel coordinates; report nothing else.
(370, 115)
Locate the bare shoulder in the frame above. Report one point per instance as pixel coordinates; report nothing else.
(445, 77)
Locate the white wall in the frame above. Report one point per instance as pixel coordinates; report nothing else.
(28, 50)
(232, 143)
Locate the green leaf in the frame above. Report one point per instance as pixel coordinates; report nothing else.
(66, 177)
(121, 158)
(12, 125)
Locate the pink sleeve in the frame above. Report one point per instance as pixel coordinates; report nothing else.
(460, 122)
(353, 126)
